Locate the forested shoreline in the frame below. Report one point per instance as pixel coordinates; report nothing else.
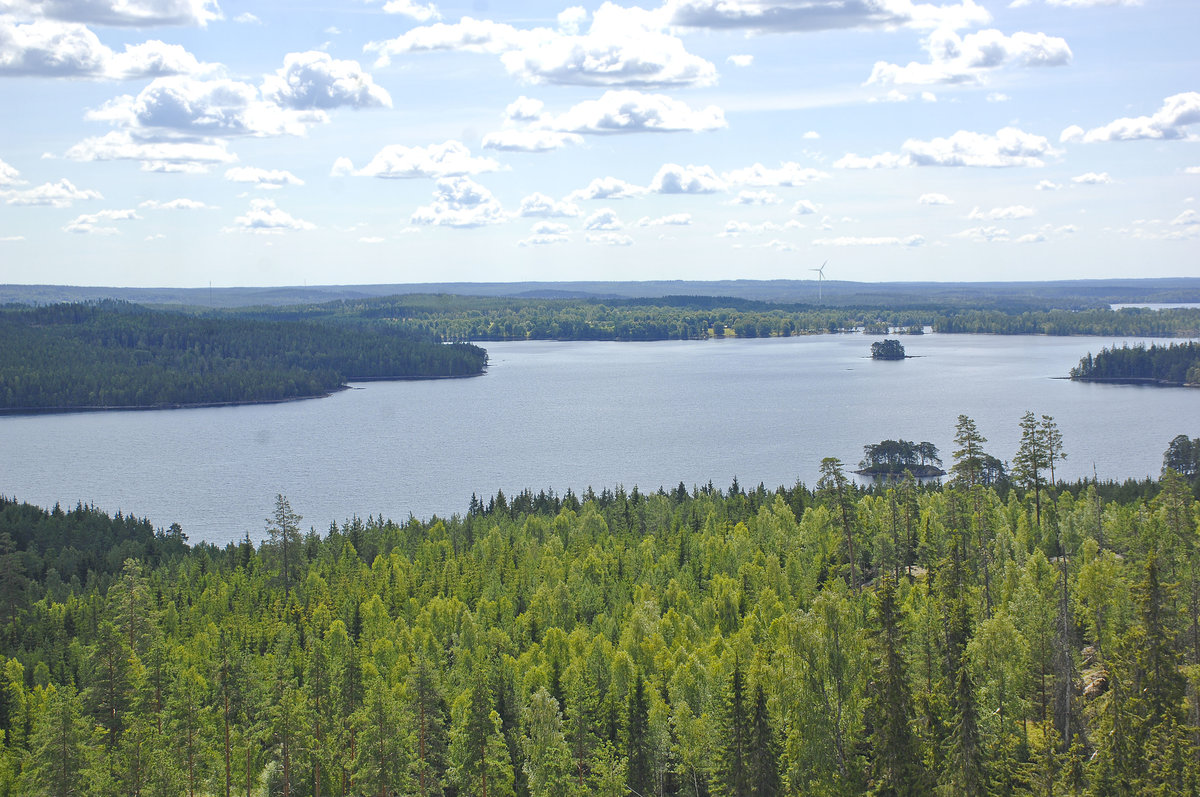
(114, 355)
(1022, 637)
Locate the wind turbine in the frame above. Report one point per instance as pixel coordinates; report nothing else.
(820, 278)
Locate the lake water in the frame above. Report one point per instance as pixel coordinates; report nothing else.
(552, 415)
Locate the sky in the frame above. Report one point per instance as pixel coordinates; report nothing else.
(183, 143)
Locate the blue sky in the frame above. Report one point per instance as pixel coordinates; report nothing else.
(182, 142)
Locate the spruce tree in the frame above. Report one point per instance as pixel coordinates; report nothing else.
(731, 770)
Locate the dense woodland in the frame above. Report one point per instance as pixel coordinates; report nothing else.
(1027, 637)
(700, 317)
(114, 354)
(1176, 364)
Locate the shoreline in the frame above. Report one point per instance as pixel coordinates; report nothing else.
(1130, 380)
(196, 405)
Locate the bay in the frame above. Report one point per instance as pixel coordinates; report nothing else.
(559, 415)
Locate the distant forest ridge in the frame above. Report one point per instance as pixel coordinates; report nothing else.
(1068, 294)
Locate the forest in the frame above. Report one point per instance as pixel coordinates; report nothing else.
(1020, 637)
(111, 354)
(1176, 364)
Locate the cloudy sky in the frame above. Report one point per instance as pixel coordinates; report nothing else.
(182, 142)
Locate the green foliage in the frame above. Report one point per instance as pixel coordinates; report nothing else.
(887, 349)
(1168, 365)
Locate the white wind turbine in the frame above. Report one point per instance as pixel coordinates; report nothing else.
(820, 278)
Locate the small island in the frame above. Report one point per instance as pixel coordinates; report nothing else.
(891, 458)
(1176, 365)
(887, 349)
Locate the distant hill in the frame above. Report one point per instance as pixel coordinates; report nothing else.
(1070, 294)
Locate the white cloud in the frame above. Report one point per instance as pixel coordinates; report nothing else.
(538, 205)
(609, 239)
(989, 234)
(804, 207)
(1192, 170)
(460, 202)
(672, 220)
(1092, 178)
(264, 218)
(1032, 238)
(9, 174)
(1178, 113)
(119, 13)
(1187, 218)
(789, 173)
(407, 8)
(604, 219)
(935, 199)
(93, 223)
(607, 188)
(547, 233)
(629, 111)
(1001, 214)
(785, 16)
(315, 80)
(734, 229)
(529, 140)
(448, 159)
(740, 60)
(246, 18)
(675, 179)
(56, 195)
(811, 135)
(1078, 3)
(175, 204)
(1009, 147)
(756, 198)
(965, 59)
(997, 96)
(11, 238)
(524, 109)
(191, 156)
(1047, 185)
(262, 178)
(570, 20)
(909, 241)
(544, 240)
(63, 49)
(623, 47)
(777, 245)
(371, 239)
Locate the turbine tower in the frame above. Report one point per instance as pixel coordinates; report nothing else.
(820, 278)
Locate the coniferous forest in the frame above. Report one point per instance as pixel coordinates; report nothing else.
(1014, 637)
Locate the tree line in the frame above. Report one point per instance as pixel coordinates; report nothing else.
(1030, 638)
(115, 354)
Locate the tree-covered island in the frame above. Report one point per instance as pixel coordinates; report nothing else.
(894, 457)
(887, 349)
(1175, 365)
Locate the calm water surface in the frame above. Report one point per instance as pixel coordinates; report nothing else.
(552, 415)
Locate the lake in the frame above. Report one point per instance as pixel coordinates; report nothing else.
(555, 415)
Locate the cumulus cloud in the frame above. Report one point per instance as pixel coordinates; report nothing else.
(407, 8)
(529, 140)
(606, 188)
(605, 219)
(756, 198)
(629, 111)
(804, 207)
(64, 49)
(1178, 113)
(734, 229)
(988, 234)
(175, 204)
(608, 239)
(538, 205)
(460, 202)
(524, 109)
(965, 59)
(1047, 185)
(95, 223)
(623, 47)
(315, 79)
(1032, 238)
(909, 241)
(61, 194)
(191, 156)
(1092, 178)
(675, 179)
(262, 178)
(789, 173)
(9, 174)
(786, 16)
(1009, 147)
(740, 60)
(119, 13)
(546, 233)
(935, 199)
(1006, 214)
(246, 18)
(448, 159)
(265, 218)
(672, 220)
